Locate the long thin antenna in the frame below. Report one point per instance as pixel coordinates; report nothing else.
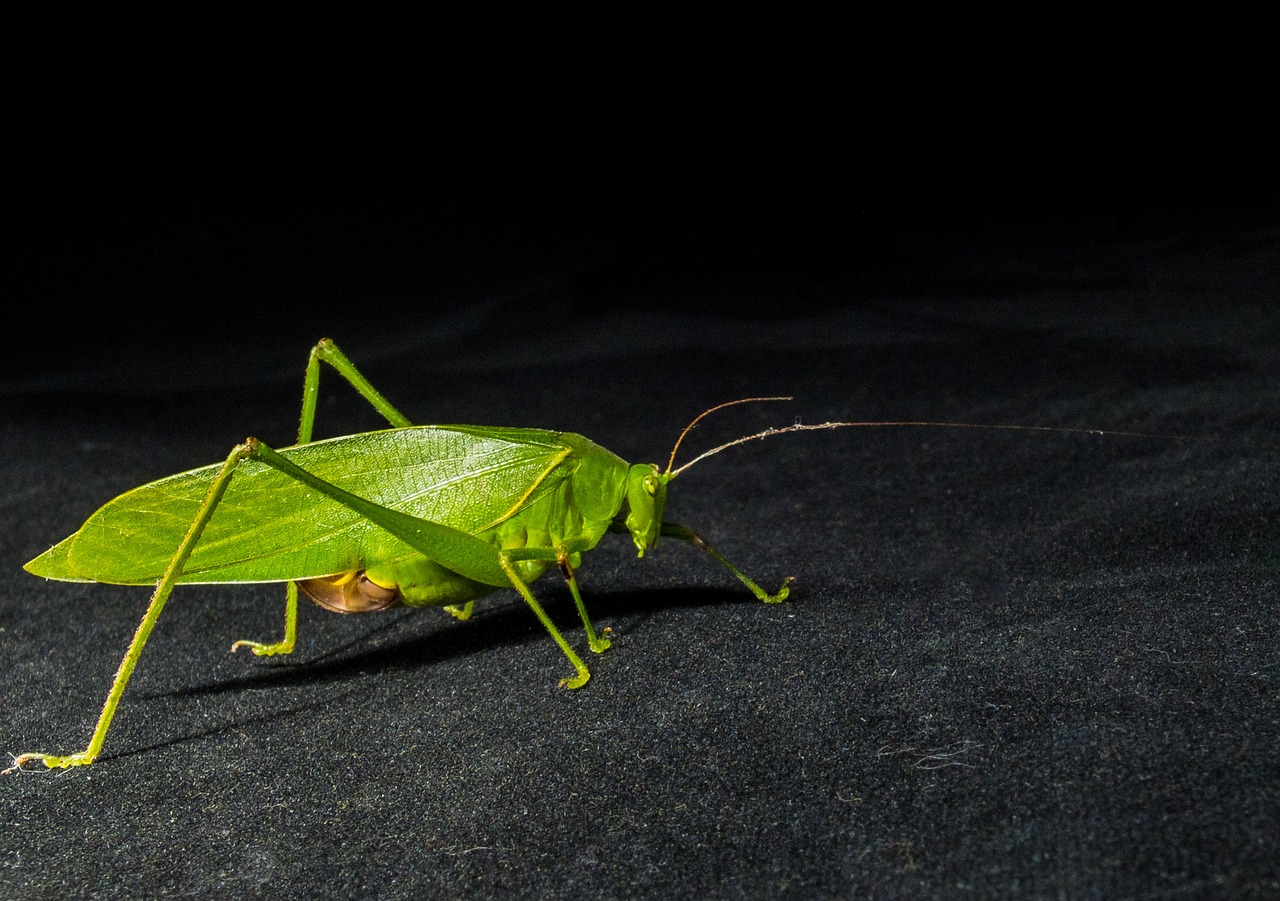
(769, 433)
(733, 403)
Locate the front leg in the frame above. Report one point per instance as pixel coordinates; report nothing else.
(673, 530)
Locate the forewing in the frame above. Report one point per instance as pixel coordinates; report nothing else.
(269, 527)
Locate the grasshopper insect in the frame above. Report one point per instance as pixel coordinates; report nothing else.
(424, 516)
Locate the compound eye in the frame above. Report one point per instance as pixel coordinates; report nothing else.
(651, 485)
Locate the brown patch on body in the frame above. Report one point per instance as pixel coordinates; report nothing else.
(352, 592)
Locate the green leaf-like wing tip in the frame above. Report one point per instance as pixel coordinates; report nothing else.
(53, 564)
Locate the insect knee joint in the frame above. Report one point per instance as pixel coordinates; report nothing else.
(566, 568)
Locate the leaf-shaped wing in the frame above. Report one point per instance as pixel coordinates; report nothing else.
(269, 527)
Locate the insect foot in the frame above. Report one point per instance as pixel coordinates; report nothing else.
(782, 594)
(50, 762)
(576, 681)
(601, 643)
(264, 650)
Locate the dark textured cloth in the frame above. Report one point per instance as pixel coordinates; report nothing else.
(1013, 664)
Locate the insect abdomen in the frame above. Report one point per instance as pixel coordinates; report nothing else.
(425, 583)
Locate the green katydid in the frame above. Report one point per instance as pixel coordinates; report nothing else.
(417, 515)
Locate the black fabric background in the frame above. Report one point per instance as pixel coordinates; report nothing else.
(1013, 665)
